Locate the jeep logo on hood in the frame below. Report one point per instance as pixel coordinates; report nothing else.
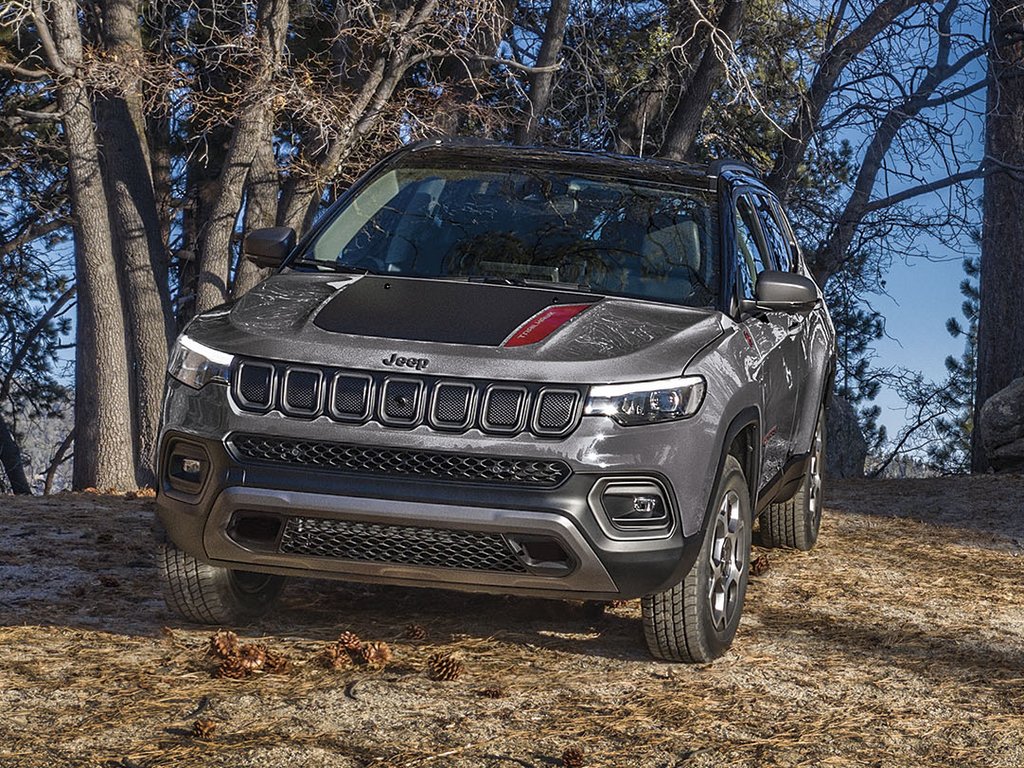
(419, 363)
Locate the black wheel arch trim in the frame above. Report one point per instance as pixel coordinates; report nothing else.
(749, 416)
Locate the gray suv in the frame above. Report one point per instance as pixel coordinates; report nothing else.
(506, 370)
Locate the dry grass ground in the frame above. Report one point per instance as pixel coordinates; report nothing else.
(898, 642)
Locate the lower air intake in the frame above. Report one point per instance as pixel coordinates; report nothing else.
(401, 545)
(372, 460)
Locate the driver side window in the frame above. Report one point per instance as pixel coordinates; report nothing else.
(750, 256)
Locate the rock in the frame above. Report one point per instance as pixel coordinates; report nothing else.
(845, 446)
(1002, 428)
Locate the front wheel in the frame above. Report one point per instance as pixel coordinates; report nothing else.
(795, 523)
(696, 620)
(209, 594)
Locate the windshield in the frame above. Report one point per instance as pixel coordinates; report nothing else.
(528, 227)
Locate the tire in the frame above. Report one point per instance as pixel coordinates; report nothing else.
(696, 620)
(794, 524)
(209, 594)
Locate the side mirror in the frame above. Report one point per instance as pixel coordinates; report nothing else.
(785, 292)
(269, 247)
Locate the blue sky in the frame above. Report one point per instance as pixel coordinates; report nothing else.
(922, 295)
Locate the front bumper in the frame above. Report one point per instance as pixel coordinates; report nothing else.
(599, 562)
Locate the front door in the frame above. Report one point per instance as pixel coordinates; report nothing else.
(775, 340)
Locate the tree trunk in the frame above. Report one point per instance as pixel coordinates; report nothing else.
(689, 110)
(640, 120)
(830, 256)
(250, 128)
(542, 82)
(833, 63)
(139, 249)
(10, 457)
(1000, 324)
(462, 78)
(102, 404)
(260, 211)
(302, 193)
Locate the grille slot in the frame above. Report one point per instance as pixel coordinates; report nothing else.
(351, 397)
(302, 391)
(556, 411)
(404, 545)
(450, 408)
(371, 460)
(254, 384)
(401, 401)
(504, 409)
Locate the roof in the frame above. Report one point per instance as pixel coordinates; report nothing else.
(455, 150)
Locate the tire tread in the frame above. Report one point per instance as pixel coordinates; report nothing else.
(672, 619)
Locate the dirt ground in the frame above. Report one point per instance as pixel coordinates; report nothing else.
(898, 642)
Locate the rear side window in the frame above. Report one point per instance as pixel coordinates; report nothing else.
(774, 233)
(751, 258)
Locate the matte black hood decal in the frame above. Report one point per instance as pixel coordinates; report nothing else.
(437, 310)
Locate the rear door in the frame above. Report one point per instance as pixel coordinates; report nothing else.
(772, 334)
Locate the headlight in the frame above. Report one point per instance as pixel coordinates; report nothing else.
(647, 401)
(196, 364)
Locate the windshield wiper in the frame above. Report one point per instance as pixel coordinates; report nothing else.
(525, 282)
(333, 266)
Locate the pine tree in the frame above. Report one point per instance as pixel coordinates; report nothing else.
(858, 326)
(952, 453)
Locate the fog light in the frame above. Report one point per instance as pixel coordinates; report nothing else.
(635, 505)
(186, 467)
(191, 467)
(645, 506)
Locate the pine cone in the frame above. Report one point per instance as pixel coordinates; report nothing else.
(223, 644)
(444, 666)
(759, 565)
(375, 654)
(203, 729)
(573, 757)
(337, 658)
(492, 692)
(416, 633)
(350, 641)
(233, 669)
(252, 656)
(277, 663)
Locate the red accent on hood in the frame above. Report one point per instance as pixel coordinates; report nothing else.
(544, 323)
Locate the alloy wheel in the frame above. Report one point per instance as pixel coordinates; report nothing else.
(727, 560)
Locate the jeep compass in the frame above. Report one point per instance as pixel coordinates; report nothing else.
(509, 370)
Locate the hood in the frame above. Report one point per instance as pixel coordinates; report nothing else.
(472, 330)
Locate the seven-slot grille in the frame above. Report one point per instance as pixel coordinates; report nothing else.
(407, 401)
(399, 462)
(401, 544)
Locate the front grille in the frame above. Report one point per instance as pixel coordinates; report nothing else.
(408, 401)
(403, 545)
(372, 460)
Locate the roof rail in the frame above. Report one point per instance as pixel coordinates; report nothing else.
(726, 163)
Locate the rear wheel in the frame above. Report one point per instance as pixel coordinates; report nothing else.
(209, 594)
(696, 619)
(795, 523)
